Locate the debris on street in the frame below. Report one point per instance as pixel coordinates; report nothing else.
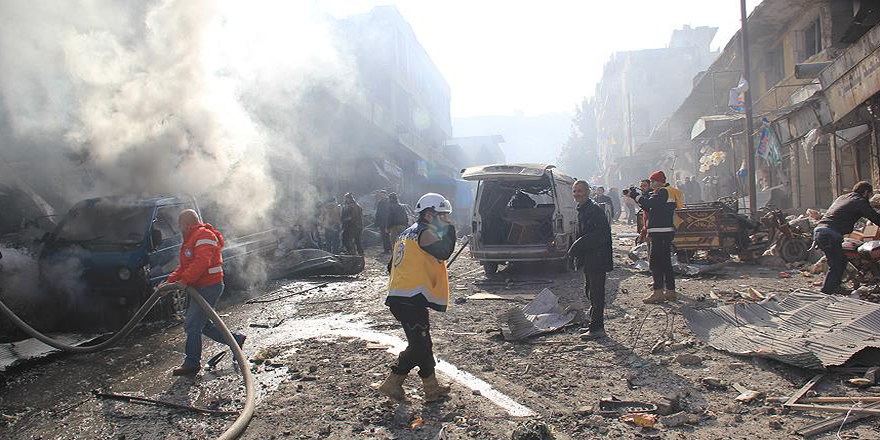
(809, 330)
(542, 315)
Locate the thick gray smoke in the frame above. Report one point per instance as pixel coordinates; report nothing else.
(166, 97)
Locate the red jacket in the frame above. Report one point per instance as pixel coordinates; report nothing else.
(201, 264)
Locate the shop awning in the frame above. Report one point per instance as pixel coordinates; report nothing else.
(711, 126)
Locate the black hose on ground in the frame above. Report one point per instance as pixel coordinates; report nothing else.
(244, 418)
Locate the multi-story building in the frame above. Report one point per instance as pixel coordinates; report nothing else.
(391, 131)
(639, 89)
(811, 69)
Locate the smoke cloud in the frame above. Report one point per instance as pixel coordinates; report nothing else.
(167, 97)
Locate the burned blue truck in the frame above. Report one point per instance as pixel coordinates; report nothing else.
(107, 254)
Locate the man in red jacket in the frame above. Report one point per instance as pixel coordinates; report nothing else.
(201, 267)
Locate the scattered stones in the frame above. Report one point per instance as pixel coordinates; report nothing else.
(532, 430)
(678, 419)
(713, 383)
(775, 422)
(669, 405)
(585, 410)
(688, 359)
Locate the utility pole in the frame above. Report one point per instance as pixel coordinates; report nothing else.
(750, 139)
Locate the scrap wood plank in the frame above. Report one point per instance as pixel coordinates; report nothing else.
(836, 409)
(834, 422)
(801, 392)
(830, 399)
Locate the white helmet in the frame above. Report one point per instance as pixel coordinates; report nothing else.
(435, 201)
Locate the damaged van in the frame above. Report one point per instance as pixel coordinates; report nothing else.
(522, 213)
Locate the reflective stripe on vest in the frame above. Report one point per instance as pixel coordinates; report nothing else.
(207, 241)
(215, 269)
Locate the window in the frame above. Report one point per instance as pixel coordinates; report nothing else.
(812, 39)
(775, 67)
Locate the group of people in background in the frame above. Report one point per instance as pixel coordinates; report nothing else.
(341, 226)
(617, 202)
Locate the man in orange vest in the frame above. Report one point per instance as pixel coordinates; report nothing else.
(200, 267)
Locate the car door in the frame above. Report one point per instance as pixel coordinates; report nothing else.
(165, 257)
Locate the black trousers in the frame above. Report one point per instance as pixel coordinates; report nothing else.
(660, 260)
(831, 245)
(594, 288)
(351, 239)
(419, 348)
(386, 240)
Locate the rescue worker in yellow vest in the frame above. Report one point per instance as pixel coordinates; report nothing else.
(419, 281)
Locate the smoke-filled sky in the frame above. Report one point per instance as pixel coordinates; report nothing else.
(503, 56)
(103, 97)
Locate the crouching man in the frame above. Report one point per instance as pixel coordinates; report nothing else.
(201, 267)
(419, 282)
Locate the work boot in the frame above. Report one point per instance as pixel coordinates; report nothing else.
(186, 370)
(656, 298)
(393, 386)
(593, 334)
(670, 295)
(433, 390)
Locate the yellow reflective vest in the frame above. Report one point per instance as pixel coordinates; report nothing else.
(416, 272)
(675, 194)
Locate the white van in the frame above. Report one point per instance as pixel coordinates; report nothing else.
(522, 212)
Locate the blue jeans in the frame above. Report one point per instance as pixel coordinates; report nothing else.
(197, 323)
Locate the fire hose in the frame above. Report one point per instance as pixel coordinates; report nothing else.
(240, 424)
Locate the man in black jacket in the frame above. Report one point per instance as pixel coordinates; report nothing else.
(592, 250)
(660, 207)
(382, 213)
(837, 222)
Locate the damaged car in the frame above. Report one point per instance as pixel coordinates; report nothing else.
(522, 213)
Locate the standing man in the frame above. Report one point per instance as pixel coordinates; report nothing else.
(331, 223)
(352, 225)
(660, 208)
(645, 190)
(614, 195)
(630, 206)
(419, 281)
(397, 218)
(837, 222)
(382, 220)
(592, 250)
(605, 202)
(200, 267)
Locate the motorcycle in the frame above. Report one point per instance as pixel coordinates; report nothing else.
(862, 262)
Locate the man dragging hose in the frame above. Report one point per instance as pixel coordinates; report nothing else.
(419, 281)
(201, 267)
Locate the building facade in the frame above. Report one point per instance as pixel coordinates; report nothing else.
(639, 89)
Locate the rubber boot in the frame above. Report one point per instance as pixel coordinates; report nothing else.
(433, 390)
(670, 295)
(656, 298)
(393, 386)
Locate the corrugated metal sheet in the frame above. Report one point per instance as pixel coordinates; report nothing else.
(542, 315)
(15, 353)
(806, 329)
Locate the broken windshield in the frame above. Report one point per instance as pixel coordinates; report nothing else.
(103, 222)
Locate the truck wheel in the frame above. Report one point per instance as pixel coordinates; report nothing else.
(794, 249)
(490, 268)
